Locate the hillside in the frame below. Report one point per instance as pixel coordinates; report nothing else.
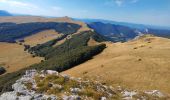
(12, 56)
(26, 35)
(62, 44)
(41, 37)
(50, 85)
(72, 52)
(141, 64)
(31, 19)
(10, 32)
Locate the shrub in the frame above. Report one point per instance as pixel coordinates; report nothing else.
(2, 70)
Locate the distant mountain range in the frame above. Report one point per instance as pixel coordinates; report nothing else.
(116, 31)
(122, 31)
(132, 25)
(4, 13)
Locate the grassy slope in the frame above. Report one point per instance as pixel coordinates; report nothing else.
(41, 37)
(69, 56)
(142, 64)
(76, 44)
(12, 55)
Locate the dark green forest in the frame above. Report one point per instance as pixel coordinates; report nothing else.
(9, 32)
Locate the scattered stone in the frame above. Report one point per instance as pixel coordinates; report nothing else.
(69, 91)
(57, 86)
(155, 93)
(103, 98)
(75, 90)
(51, 72)
(72, 97)
(128, 95)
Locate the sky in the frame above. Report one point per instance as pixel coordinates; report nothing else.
(152, 12)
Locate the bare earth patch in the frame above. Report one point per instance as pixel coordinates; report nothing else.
(142, 64)
(13, 57)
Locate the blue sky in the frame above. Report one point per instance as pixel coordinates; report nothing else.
(154, 12)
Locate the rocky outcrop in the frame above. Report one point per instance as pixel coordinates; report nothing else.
(50, 85)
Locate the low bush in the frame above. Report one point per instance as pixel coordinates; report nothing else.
(2, 70)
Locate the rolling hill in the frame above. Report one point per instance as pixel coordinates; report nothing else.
(15, 37)
(141, 64)
(12, 55)
(80, 50)
(11, 32)
(57, 43)
(28, 32)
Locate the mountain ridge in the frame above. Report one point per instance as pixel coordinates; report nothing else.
(128, 24)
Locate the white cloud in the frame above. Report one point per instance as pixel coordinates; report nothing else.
(18, 3)
(3, 0)
(120, 2)
(21, 7)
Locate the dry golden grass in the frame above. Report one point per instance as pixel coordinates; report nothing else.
(92, 42)
(41, 37)
(35, 39)
(28, 19)
(13, 57)
(142, 64)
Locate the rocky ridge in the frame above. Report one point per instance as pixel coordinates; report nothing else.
(50, 85)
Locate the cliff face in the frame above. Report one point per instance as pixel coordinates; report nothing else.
(50, 85)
